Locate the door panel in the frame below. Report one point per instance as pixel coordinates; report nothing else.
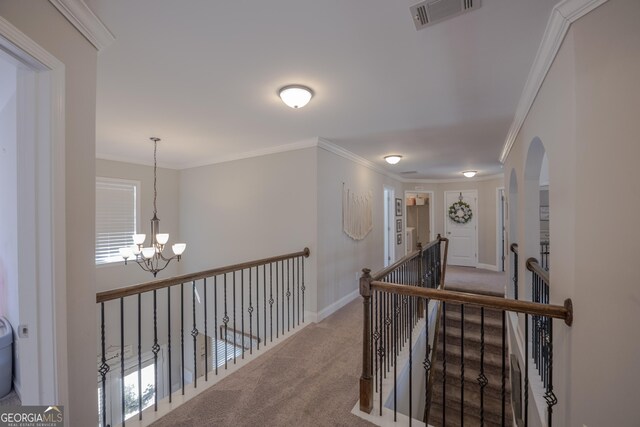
(462, 237)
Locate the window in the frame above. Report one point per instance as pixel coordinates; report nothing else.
(117, 210)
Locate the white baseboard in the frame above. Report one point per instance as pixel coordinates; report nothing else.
(328, 311)
(487, 267)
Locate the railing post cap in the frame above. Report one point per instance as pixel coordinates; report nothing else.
(306, 252)
(366, 272)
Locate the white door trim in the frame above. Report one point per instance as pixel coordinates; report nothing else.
(446, 218)
(500, 223)
(48, 182)
(388, 194)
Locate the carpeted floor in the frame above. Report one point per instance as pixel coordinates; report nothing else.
(309, 380)
(469, 279)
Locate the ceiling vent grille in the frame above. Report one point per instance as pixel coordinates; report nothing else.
(433, 11)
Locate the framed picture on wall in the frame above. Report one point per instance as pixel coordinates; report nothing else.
(399, 239)
(398, 226)
(544, 213)
(398, 207)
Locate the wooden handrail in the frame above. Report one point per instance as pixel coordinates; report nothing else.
(514, 248)
(534, 266)
(557, 311)
(165, 283)
(380, 274)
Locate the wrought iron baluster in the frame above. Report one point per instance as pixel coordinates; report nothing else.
(394, 362)
(194, 334)
(182, 334)
(155, 349)
(169, 340)
(526, 370)
(235, 328)
(412, 310)
(257, 306)
(104, 368)
(250, 310)
(427, 362)
(288, 298)
(225, 320)
(140, 357)
(302, 289)
(549, 396)
(215, 320)
(482, 379)
(376, 335)
(444, 362)
(283, 293)
(264, 302)
(298, 284)
(122, 358)
(503, 365)
(206, 334)
(381, 350)
(271, 302)
(462, 364)
(276, 302)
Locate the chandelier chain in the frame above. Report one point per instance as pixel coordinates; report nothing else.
(155, 178)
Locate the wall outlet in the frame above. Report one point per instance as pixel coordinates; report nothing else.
(23, 331)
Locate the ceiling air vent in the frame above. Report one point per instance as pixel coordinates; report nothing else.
(433, 11)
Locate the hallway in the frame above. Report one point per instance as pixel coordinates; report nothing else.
(309, 380)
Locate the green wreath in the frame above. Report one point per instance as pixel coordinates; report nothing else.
(460, 212)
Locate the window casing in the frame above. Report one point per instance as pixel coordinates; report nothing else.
(117, 217)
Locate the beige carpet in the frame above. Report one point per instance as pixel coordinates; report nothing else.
(469, 279)
(309, 380)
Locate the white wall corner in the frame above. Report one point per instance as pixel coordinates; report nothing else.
(82, 17)
(329, 310)
(562, 16)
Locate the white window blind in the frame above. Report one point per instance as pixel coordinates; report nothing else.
(116, 217)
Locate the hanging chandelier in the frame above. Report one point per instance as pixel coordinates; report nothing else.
(151, 258)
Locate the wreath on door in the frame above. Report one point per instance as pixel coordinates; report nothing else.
(460, 212)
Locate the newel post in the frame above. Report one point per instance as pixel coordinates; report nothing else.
(366, 382)
(420, 304)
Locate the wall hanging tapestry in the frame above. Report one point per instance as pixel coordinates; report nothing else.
(460, 212)
(357, 213)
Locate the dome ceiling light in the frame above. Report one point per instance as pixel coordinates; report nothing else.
(469, 174)
(393, 158)
(296, 96)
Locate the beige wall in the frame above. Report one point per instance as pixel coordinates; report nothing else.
(111, 276)
(586, 117)
(487, 211)
(40, 21)
(340, 258)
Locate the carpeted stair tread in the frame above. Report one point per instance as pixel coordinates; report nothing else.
(492, 403)
(494, 380)
(473, 339)
(453, 418)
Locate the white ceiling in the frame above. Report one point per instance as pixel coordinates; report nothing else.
(204, 76)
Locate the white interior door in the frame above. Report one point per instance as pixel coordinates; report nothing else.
(463, 238)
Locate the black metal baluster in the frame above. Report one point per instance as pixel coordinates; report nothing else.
(155, 349)
(241, 311)
(298, 284)
(462, 364)
(288, 298)
(215, 321)
(515, 275)
(169, 339)
(482, 378)
(271, 302)
(250, 310)
(394, 339)
(235, 328)
(444, 362)
(225, 320)
(122, 357)
(194, 334)
(104, 367)
(549, 396)
(264, 302)
(526, 370)
(276, 301)
(503, 365)
(381, 350)
(302, 289)
(283, 293)
(411, 309)
(140, 357)
(206, 334)
(376, 334)
(427, 362)
(182, 333)
(257, 306)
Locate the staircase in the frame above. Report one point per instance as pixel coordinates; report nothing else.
(492, 407)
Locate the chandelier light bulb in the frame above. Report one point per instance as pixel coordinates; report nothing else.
(148, 252)
(125, 253)
(469, 174)
(138, 239)
(162, 238)
(296, 96)
(178, 248)
(393, 159)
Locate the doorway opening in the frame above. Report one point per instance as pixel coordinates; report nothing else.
(419, 218)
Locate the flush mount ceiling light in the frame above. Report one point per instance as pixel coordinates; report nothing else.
(393, 159)
(296, 96)
(469, 174)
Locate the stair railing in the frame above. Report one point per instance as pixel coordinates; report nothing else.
(229, 313)
(392, 295)
(390, 320)
(540, 327)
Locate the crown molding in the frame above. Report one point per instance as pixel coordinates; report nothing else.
(562, 16)
(121, 159)
(335, 149)
(82, 17)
